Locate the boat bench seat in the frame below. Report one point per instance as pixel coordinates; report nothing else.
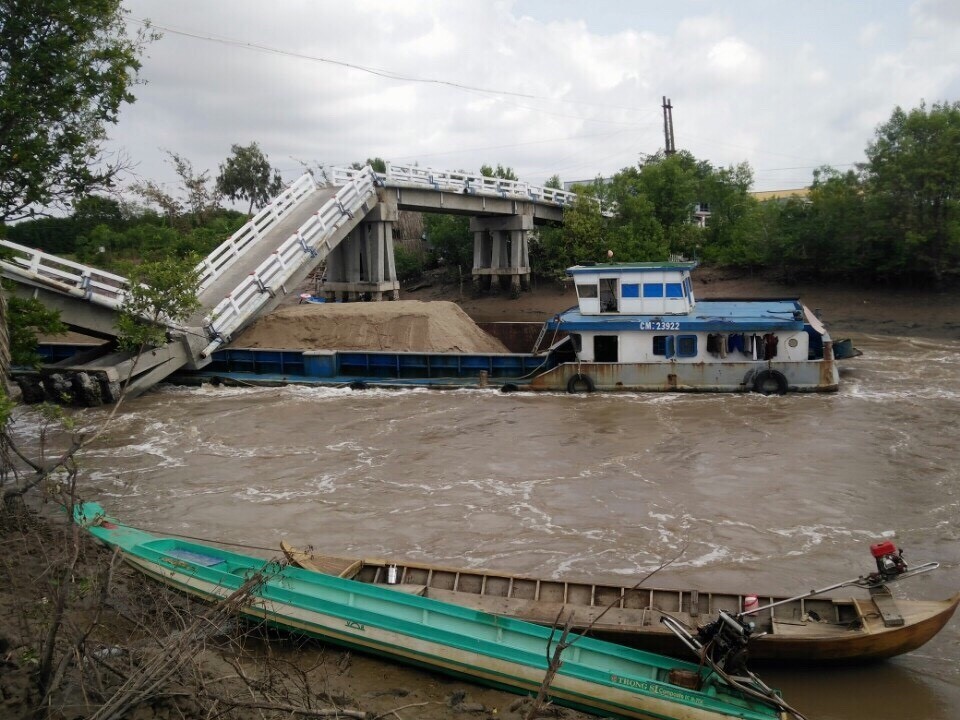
(409, 588)
(801, 629)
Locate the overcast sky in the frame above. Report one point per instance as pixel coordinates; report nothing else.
(542, 86)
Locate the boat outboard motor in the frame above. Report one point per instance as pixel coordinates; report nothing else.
(726, 639)
(890, 562)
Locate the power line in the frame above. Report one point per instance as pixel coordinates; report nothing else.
(379, 72)
(501, 94)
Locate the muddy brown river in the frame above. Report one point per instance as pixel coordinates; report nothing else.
(768, 494)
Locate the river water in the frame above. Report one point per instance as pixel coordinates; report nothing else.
(751, 493)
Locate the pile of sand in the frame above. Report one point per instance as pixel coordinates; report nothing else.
(406, 325)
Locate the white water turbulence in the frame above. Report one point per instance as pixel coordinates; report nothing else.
(742, 492)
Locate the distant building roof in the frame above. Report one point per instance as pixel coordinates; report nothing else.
(781, 194)
(586, 183)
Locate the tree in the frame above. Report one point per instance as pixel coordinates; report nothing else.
(727, 235)
(28, 318)
(449, 237)
(378, 164)
(504, 173)
(553, 182)
(914, 186)
(199, 202)
(66, 67)
(161, 292)
(245, 175)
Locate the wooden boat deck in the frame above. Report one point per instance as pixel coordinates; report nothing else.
(820, 629)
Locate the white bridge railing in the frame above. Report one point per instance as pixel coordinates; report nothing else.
(233, 248)
(309, 242)
(84, 282)
(461, 182)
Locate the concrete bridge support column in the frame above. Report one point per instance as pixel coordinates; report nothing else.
(501, 251)
(363, 264)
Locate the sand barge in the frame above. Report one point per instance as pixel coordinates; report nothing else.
(402, 326)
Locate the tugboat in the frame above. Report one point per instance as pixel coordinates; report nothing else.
(638, 326)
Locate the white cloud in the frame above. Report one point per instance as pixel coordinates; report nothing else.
(734, 60)
(580, 96)
(869, 34)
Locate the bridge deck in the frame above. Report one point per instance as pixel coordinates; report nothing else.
(265, 246)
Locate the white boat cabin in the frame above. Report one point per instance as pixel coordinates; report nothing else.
(647, 313)
(634, 288)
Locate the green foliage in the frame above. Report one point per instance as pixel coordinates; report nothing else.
(450, 238)
(60, 235)
(673, 185)
(554, 183)
(504, 173)
(913, 176)
(6, 407)
(196, 203)
(582, 238)
(164, 291)
(895, 221)
(410, 265)
(26, 319)
(245, 175)
(378, 164)
(66, 67)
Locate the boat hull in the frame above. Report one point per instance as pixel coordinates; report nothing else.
(502, 652)
(850, 630)
(804, 376)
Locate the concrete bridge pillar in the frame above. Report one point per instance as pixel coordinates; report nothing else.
(363, 263)
(501, 251)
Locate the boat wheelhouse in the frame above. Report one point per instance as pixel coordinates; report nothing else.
(639, 326)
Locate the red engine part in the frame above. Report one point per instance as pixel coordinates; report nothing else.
(878, 550)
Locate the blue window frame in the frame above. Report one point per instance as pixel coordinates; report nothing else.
(675, 345)
(686, 346)
(630, 290)
(653, 290)
(674, 290)
(663, 345)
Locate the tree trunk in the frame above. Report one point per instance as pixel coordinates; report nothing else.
(4, 346)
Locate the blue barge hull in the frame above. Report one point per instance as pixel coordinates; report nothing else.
(343, 367)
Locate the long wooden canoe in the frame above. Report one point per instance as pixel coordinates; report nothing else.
(816, 630)
(503, 652)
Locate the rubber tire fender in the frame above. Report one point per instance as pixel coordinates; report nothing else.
(770, 382)
(574, 381)
(509, 388)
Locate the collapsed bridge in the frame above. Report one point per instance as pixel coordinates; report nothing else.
(346, 221)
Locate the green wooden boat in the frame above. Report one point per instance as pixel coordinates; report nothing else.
(510, 654)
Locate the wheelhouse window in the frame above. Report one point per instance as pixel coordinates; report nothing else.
(674, 290)
(608, 295)
(630, 290)
(653, 290)
(587, 291)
